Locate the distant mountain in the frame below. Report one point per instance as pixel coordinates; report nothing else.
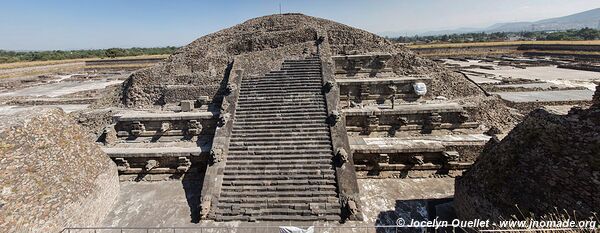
(590, 18)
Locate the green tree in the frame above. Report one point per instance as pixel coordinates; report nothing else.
(115, 52)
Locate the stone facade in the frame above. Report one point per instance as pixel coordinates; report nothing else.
(200, 67)
(53, 176)
(547, 162)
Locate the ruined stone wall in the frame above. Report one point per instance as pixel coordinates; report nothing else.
(53, 176)
(547, 162)
(261, 62)
(199, 68)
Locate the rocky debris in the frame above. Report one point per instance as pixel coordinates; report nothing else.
(53, 176)
(93, 121)
(200, 67)
(546, 163)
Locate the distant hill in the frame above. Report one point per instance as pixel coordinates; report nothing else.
(590, 19)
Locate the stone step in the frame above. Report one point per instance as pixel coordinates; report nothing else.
(285, 74)
(287, 137)
(306, 206)
(282, 167)
(279, 218)
(311, 61)
(307, 99)
(300, 65)
(282, 97)
(282, 82)
(281, 188)
(279, 142)
(253, 119)
(279, 172)
(282, 200)
(279, 91)
(297, 62)
(300, 69)
(296, 85)
(278, 126)
(294, 72)
(270, 211)
(315, 64)
(250, 138)
(289, 80)
(279, 152)
(264, 80)
(267, 136)
(277, 177)
(281, 118)
(280, 104)
(271, 208)
(295, 95)
(264, 115)
(278, 147)
(279, 131)
(296, 110)
(281, 109)
(257, 136)
(315, 106)
(281, 122)
(278, 161)
(307, 68)
(245, 153)
(288, 117)
(289, 85)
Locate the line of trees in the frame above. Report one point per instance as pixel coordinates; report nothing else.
(14, 56)
(579, 34)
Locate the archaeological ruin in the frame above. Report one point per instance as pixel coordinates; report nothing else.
(292, 118)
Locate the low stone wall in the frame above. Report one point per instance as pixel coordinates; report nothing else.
(53, 175)
(548, 163)
(526, 107)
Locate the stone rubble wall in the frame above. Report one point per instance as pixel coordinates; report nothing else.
(53, 176)
(547, 162)
(203, 64)
(261, 62)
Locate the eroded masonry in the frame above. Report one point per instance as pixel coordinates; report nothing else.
(295, 118)
(289, 144)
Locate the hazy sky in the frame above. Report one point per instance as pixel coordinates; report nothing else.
(84, 24)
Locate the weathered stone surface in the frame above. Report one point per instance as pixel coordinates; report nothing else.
(547, 162)
(204, 62)
(52, 175)
(258, 183)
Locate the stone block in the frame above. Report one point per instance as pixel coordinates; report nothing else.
(187, 105)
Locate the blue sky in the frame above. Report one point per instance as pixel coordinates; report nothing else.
(85, 24)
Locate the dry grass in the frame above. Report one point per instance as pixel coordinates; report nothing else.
(16, 65)
(75, 68)
(501, 43)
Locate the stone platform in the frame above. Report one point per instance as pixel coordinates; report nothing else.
(143, 143)
(405, 117)
(419, 156)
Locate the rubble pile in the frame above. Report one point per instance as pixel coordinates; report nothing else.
(548, 162)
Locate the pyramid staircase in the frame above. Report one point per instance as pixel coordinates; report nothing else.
(279, 165)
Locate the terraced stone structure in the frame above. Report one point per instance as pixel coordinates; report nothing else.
(298, 105)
